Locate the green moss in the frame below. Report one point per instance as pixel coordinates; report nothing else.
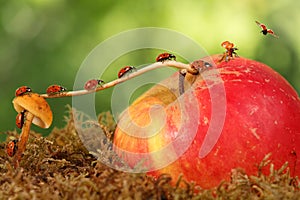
(60, 167)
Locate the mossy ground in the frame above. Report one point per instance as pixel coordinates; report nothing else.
(60, 167)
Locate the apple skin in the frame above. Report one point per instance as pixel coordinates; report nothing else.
(261, 115)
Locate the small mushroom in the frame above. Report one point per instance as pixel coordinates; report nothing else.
(37, 111)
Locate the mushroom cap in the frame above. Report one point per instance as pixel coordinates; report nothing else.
(37, 105)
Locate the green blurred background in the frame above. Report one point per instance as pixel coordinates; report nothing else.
(45, 41)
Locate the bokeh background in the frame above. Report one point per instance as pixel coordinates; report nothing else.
(44, 42)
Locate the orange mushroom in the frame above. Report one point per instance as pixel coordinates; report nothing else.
(37, 111)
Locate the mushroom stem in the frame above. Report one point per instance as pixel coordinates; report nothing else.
(23, 138)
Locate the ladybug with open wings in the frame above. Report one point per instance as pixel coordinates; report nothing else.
(265, 30)
(230, 51)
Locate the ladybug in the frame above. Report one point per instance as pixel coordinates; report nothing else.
(12, 147)
(165, 56)
(230, 50)
(22, 90)
(53, 89)
(229, 47)
(265, 30)
(20, 119)
(126, 70)
(92, 84)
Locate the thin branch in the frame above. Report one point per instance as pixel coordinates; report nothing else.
(143, 70)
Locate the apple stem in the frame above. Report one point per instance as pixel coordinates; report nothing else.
(181, 82)
(171, 63)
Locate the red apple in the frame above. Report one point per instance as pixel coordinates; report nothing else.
(231, 116)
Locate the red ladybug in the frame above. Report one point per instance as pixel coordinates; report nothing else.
(265, 30)
(92, 84)
(165, 56)
(22, 90)
(230, 50)
(12, 147)
(20, 119)
(126, 70)
(53, 89)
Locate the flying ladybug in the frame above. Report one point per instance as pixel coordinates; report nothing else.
(265, 30)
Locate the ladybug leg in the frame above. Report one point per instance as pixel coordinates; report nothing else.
(227, 56)
(232, 54)
(173, 57)
(130, 71)
(222, 58)
(235, 54)
(133, 69)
